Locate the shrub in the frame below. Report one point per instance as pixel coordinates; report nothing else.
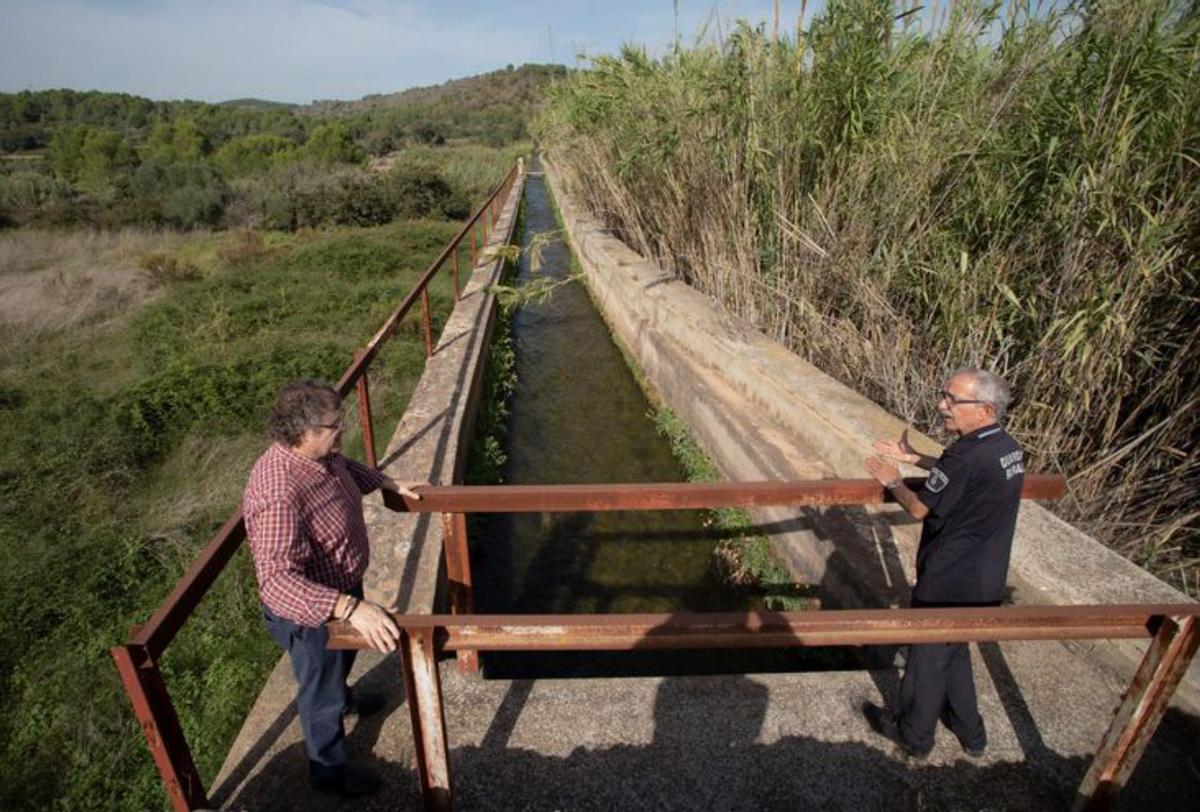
(254, 153)
(187, 194)
(419, 190)
(163, 269)
(245, 247)
(333, 143)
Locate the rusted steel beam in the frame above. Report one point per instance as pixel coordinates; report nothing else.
(840, 627)
(1141, 709)
(423, 690)
(671, 495)
(364, 418)
(458, 574)
(457, 287)
(171, 614)
(350, 376)
(152, 705)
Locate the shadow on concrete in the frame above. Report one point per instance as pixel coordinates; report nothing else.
(705, 754)
(286, 773)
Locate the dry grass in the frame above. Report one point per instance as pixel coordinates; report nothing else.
(54, 280)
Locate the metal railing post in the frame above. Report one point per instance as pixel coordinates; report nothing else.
(364, 417)
(456, 548)
(474, 260)
(1141, 709)
(457, 289)
(152, 705)
(423, 688)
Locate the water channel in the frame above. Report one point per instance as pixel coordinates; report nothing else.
(578, 415)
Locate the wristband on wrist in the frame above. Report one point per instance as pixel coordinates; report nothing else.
(353, 605)
(895, 483)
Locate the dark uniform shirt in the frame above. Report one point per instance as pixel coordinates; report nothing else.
(972, 494)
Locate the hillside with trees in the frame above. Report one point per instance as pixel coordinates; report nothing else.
(109, 160)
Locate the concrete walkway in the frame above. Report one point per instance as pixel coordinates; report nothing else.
(773, 741)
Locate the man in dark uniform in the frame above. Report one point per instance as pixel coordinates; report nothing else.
(969, 509)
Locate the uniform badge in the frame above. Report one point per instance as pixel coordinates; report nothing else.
(937, 481)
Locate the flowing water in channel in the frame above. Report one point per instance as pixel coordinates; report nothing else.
(578, 415)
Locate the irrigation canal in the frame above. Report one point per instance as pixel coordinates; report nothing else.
(578, 415)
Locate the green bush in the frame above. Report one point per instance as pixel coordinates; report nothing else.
(29, 198)
(333, 143)
(253, 154)
(183, 194)
(420, 190)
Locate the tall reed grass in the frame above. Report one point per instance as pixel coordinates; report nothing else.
(893, 193)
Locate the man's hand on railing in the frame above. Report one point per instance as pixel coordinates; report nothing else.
(376, 625)
(404, 488)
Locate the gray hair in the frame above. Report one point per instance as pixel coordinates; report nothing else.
(989, 387)
(301, 405)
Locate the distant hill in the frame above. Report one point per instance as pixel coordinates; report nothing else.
(501, 87)
(257, 104)
(492, 108)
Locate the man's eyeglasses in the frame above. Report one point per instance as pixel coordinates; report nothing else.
(337, 424)
(957, 401)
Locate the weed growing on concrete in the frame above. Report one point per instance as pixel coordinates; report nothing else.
(744, 558)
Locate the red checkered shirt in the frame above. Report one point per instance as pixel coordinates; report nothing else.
(304, 519)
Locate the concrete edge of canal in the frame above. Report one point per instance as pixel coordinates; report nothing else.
(760, 412)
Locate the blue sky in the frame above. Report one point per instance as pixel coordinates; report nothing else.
(300, 50)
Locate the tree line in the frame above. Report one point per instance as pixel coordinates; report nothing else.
(112, 159)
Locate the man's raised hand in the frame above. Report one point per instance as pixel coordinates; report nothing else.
(900, 451)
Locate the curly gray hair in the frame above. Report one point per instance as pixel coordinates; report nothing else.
(300, 405)
(988, 387)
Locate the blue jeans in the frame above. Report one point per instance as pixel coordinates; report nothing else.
(321, 695)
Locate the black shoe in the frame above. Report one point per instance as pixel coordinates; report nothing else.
(362, 704)
(973, 752)
(885, 724)
(349, 782)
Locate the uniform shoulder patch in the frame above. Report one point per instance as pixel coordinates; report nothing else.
(937, 480)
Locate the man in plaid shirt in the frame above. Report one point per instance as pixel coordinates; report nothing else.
(304, 520)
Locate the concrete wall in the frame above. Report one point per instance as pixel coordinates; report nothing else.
(762, 413)
(432, 440)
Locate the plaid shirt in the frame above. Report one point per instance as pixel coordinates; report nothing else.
(304, 520)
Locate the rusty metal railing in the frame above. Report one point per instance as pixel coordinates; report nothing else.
(137, 660)
(1171, 629)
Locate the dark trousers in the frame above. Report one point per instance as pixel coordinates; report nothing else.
(321, 694)
(938, 684)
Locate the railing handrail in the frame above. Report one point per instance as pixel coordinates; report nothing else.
(670, 495)
(355, 370)
(767, 629)
(167, 619)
